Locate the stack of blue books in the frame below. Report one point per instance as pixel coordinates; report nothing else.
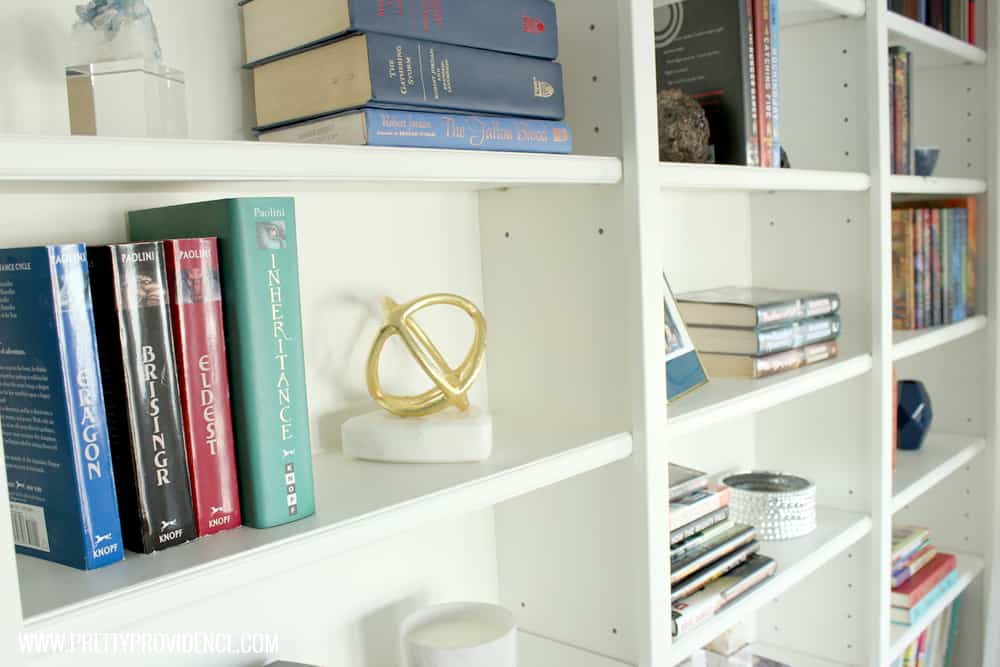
(461, 74)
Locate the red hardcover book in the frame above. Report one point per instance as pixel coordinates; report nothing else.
(972, 22)
(923, 582)
(193, 276)
(762, 58)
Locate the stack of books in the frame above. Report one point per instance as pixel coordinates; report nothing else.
(955, 17)
(725, 55)
(713, 560)
(477, 74)
(900, 110)
(934, 252)
(120, 360)
(753, 332)
(936, 644)
(921, 574)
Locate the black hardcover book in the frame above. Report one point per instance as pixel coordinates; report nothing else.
(141, 393)
(705, 48)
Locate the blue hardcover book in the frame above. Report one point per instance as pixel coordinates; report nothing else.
(901, 616)
(775, 82)
(525, 27)
(959, 246)
(55, 433)
(376, 70)
(385, 127)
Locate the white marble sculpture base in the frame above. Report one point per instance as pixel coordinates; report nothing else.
(447, 437)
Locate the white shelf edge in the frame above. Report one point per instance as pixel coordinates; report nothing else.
(908, 343)
(538, 651)
(933, 185)
(784, 579)
(901, 636)
(777, 390)
(681, 176)
(93, 159)
(793, 658)
(962, 455)
(902, 29)
(158, 595)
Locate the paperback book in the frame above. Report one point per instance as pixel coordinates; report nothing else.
(710, 551)
(703, 604)
(913, 565)
(765, 341)
(414, 129)
(263, 319)
(698, 540)
(55, 435)
(685, 481)
(701, 578)
(753, 307)
(696, 527)
(696, 505)
(752, 367)
(906, 541)
(908, 616)
(141, 395)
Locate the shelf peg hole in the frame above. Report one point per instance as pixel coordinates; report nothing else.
(523, 605)
(593, 27)
(597, 129)
(600, 231)
(594, 78)
(614, 631)
(506, 235)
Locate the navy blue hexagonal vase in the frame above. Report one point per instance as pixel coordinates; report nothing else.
(914, 414)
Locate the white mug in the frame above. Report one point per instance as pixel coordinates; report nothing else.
(459, 634)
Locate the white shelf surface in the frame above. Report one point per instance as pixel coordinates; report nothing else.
(901, 636)
(930, 47)
(794, 12)
(791, 658)
(536, 651)
(933, 185)
(92, 159)
(724, 399)
(836, 531)
(680, 176)
(357, 503)
(940, 456)
(908, 343)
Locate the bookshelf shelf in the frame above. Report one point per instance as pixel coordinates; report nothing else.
(725, 399)
(795, 12)
(357, 503)
(931, 48)
(536, 651)
(908, 343)
(941, 455)
(797, 559)
(103, 160)
(920, 185)
(902, 636)
(792, 658)
(675, 176)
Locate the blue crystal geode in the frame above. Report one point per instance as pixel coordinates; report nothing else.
(914, 414)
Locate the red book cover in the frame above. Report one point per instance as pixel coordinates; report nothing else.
(196, 299)
(923, 582)
(762, 59)
(972, 22)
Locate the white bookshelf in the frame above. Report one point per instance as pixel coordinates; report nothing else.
(566, 524)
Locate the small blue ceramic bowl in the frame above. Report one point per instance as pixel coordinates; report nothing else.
(925, 160)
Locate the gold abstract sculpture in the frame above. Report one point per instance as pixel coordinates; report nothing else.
(451, 384)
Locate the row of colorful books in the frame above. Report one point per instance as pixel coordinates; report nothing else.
(921, 574)
(754, 332)
(120, 429)
(725, 54)
(934, 252)
(900, 110)
(935, 645)
(713, 560)
(476, 75)
(955, 17)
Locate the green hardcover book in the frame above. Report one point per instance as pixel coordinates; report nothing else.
(260, 287)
